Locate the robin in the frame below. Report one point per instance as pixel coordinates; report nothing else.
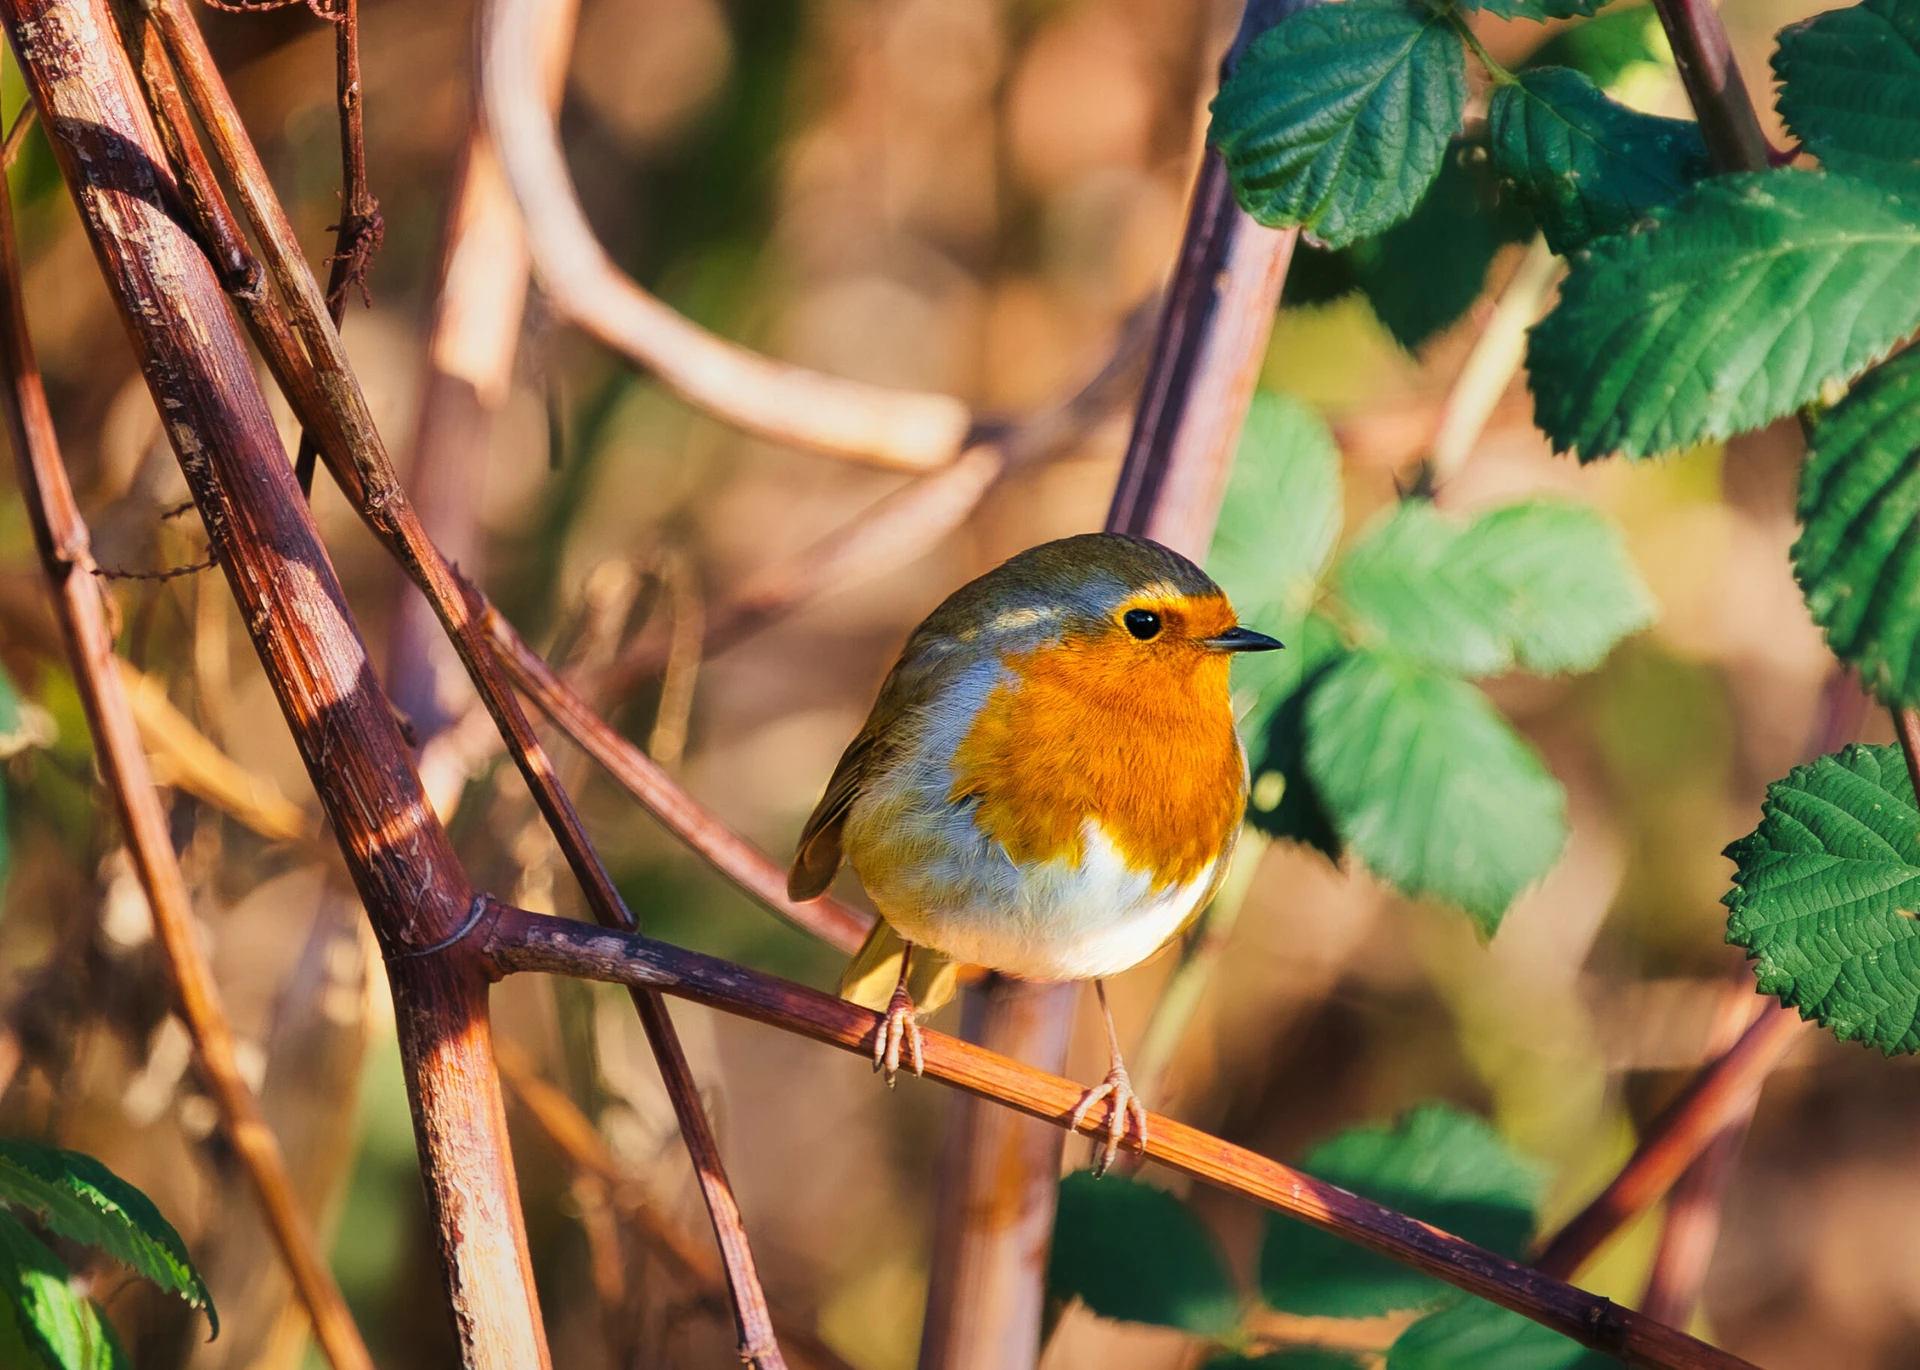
(1049, 785)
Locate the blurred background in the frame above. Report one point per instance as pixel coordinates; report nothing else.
(968, 196)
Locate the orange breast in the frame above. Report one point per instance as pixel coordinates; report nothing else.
(1143, 743)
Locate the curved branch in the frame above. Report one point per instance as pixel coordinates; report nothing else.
(515, 940)
(909, 430)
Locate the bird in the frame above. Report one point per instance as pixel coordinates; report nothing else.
(1049, 785)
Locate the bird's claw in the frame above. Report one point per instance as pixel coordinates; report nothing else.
(897, 1035)
(1125, 1114)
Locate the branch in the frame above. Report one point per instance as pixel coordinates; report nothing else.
(294, 610)
(358, 459)
(514, 940)
(65, 552)
(1690, 1226)
(1676, 1139)
(725, 850)
(1714, 85)
(904, 429)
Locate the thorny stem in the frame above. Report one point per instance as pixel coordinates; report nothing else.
(65, 553)
(358, 460)
(514, 940)
(360, 231)
(295, 612)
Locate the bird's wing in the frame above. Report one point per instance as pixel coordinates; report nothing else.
(818, 859)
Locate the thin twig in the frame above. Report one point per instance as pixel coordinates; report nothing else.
(23, 124)
(1690, 1226)
(64, 545)
(908, 430)
(192, 568)
(693, 823)
(361, 230)
(359, 462)
(1676, 1139)
(573, 1134)
(515, 940)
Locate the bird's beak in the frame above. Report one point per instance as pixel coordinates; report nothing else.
(1243, 640)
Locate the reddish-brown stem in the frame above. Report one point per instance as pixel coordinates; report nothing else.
(1714, 85)
(359, 233)
(64, 544)
(291, 603)
(515, 940)
(358, 459)
(1675, 1139)
(729, 853)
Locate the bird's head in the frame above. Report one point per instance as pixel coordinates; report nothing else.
(1124, 599)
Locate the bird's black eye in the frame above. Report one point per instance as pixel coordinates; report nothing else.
(1142, 623)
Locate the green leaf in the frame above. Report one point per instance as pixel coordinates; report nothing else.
(1438, 1165)
(77, 1197)
(1129, 1250)
(1584, 166)
(1850, 88)
(1476, 1335)
(1610, 48)
(1825, 895)
(1411, 589)
(1858, 557)
(1295, 1358)
(1284, 802)
(1545, 586)
(1567, 590)
(1540, 11)
(1732, 309)
(1282, 511)
(1430, 786)
(1422, 274)
(1337, 118)
(44, 1322)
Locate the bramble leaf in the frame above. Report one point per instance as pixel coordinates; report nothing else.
(1540, 11)
(1585, 166)
(1278, 523)
(79, 1198)
(1476, 1335)
(1858, 557)
(1825, 894)
(1545, 586)
(1130, 1250)
(1337, 118)
(1850, 88)
(1436, 1164)
(1609, 49)
(1424, 272)
(45, 1324)
(1732, 308)
(1284, 802)
(1430, 786)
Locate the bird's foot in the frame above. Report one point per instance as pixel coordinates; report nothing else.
(1125, 1114)
(897, 1035)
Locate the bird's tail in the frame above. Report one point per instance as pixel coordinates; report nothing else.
(875, 969)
